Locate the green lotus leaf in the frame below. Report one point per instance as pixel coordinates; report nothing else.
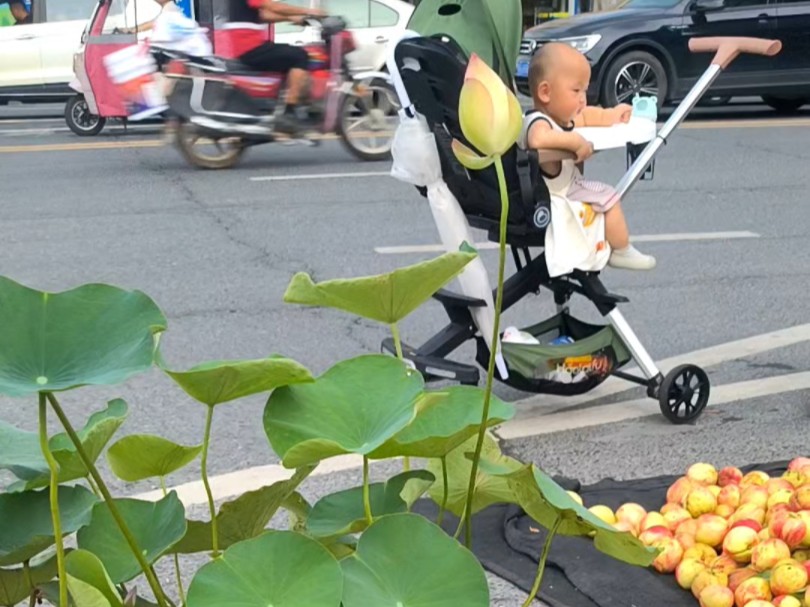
(404, 560)
(156, 526)
(343, 512)
(243, 518)
(444, 424)
(88, 580)
(545, 501)
(93, 335)
(97, 432)
(278, 568)
(387, 297)
(14, 584)
(354, 407)
(489, 488)
(27, 525)
(140, 456)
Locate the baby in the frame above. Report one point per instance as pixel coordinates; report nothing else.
(558, 79)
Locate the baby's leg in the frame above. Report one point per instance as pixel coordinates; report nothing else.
(616, 232)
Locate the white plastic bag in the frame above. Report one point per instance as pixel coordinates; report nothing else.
(416, 161)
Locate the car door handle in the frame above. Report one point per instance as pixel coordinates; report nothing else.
(764, 18)
(298, 43)
(381, 39)
(26, 37)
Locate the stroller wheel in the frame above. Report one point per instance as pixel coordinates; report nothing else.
(683, 394)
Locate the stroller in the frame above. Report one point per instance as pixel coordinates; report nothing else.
(428, 67)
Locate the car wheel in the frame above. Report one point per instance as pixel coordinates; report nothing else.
(631, 74)
(783, 105)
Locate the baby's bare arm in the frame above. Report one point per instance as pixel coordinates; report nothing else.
(543, 137)
(597, 116)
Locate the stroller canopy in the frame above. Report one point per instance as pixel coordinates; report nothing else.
(491, 29)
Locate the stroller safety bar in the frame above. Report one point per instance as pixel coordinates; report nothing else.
(726, 50)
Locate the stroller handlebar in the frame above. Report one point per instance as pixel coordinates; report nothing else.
(728, 48)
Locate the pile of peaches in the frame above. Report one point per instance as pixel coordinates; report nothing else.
(731, 538)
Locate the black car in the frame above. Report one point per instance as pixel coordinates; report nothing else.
(642, 48)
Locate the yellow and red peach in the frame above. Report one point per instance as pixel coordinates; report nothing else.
(703, 474)
(700, 501)
(711, 529)
(789, 528)
(704, 579)
(730, 475)
(786, 600)
(723, 564)
(729, 495)
(750, 512)
(754, 478)
(774, 484)
(670, 556)
(788, 577)
(650, 536)
(801, 498)
(677, 492)
(756, 495)
(716, 596)
(766, 554)
(675, 515)
(687, 571)
(652, 519)
(737, 577)
(603, 513)
(780, 497)
(753, 589)
(739, 543)
(632, 513)
(701, 552)
(797, 463)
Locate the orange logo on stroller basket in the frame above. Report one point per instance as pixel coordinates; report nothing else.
(591, 364)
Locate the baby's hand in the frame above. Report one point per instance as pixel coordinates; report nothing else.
(583, 149)
(621, 113)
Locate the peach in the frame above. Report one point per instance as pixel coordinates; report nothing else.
(753, 589)
(795, 478)
(766, 554)
(747, 523)
(716, 596)
(715, 489)
(670, 556)
(764, 534)
(632, 513)
(576, 497)
(700, 501)
(805, 516)
(802, 555)
(711, 529)
(723, 564)
(786, 600)
(603, 513)
(687, 527)
(626, 527)
(703, 474)
(777, 510)
(650, 536)
(652, 519)
(780, 497)
(774, 484)
(801, 498)
(701, 552)
(676, 494)
(739, 543)
(756, 495)
(704, 579)
(738, 577)
(724, 510)
(789, 528)
(729, 475)
(687, 541)
(754, 478)
(687, 571)
(788, 577)
(797, 463)
(675, 515)
(730, 496)
(748, 511)
(758, 603)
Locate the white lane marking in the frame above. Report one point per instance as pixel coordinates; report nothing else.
(323, 176)
(235, 483)
(54, 131)
(675, 237)
(536, 406)
(643, 407)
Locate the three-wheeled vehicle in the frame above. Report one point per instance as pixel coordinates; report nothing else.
(221, 107)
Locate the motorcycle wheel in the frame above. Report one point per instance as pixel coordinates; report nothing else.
(80, 120)
(367, 122)
(224, 152)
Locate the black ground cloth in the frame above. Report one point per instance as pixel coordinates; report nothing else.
(577, 575)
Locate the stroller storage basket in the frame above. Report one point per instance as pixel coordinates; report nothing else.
(565, 369)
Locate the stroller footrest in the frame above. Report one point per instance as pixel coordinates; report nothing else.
(434, 367)
(457, 300)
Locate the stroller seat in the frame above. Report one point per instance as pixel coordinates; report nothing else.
(432, 71)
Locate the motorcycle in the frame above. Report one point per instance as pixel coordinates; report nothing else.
(221, 107)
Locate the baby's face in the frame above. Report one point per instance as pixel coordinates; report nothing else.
(566, 90)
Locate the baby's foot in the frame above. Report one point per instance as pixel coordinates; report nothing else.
(630, 258)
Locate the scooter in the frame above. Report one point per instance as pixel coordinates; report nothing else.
(221, 107)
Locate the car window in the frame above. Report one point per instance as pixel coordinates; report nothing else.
(743, 3)
(68, 10)
(15, 12)
(291, 28)
(355, 12)
(382, 16)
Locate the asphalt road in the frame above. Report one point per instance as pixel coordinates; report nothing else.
(726, 216)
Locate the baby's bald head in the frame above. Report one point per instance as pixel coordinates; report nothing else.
(556, 58)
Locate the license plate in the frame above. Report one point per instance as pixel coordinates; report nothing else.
(523, 68)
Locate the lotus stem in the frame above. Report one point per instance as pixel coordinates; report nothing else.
(541, 566)
(406, 461)
(53, 466)
(493, 350)
(446, 492)
(154, 584)
(93, 486)
(209, 418)
(177, 574)
(367, 493)
(460, 523)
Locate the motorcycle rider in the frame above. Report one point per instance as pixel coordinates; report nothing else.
(267, 56)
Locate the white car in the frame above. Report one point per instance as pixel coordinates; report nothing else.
(37, 57)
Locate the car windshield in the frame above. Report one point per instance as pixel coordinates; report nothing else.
(650, 3)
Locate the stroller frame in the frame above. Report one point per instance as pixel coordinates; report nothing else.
(428, 74)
